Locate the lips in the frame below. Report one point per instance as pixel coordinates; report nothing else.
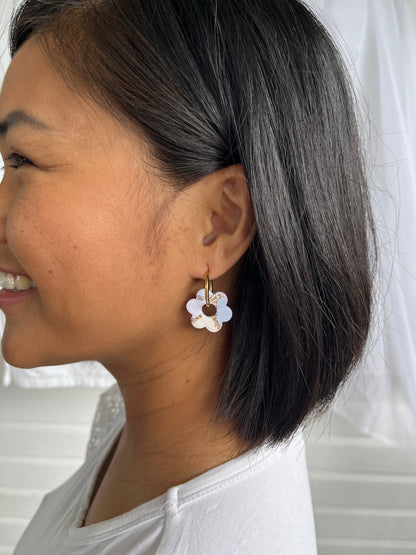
(9, 298)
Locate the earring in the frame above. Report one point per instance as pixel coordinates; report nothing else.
(206, 297)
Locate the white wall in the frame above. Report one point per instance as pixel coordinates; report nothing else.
(43, 436)
(364, 491)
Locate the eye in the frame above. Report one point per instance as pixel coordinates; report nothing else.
(16, 161)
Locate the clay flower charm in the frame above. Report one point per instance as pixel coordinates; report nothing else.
(212, 323)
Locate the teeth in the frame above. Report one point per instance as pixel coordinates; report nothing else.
(18, 283)
(10, 282)
(23, 283)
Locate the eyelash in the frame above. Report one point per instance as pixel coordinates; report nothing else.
(18, 160)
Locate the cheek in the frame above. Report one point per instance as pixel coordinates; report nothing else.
(90, 247)
(42, 233)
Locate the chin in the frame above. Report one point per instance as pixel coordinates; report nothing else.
(19, 359)
(21, 356)
(30, 350)
(19, 350)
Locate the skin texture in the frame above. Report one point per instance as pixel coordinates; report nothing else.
(80, 219)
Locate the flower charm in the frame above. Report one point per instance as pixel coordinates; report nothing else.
(212, 323)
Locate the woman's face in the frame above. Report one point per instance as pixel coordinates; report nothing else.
(78, 217)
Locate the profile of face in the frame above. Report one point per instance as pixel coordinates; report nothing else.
(84, 214)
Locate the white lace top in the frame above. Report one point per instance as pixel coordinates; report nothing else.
(256, 503)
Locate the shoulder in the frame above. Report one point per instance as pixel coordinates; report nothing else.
(257, 503)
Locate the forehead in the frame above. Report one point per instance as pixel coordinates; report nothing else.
(33, 85)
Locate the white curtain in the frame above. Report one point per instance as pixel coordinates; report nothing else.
(378, 39)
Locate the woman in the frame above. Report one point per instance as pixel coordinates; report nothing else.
(184, 201)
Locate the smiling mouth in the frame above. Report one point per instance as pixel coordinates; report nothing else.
(15, 284)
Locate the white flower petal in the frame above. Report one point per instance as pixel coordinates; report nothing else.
(212, 324)
(199, 322)
(194, 307)
(224, 314)
(222, 299)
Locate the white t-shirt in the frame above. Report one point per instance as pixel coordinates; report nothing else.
(257, 503)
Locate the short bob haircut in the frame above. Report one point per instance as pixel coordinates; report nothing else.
(211, 83)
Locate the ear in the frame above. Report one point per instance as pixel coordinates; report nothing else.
(225, 222)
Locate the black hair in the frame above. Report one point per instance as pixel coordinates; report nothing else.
(211, 83)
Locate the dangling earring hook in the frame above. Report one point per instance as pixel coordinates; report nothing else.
(208, 288)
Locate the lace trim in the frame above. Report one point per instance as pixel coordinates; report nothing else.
(110, 404)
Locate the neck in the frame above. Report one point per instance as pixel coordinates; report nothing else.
(170, 434)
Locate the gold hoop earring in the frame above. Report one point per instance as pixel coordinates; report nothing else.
(208, 288)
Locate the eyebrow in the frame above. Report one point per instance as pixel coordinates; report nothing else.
(21, 117)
